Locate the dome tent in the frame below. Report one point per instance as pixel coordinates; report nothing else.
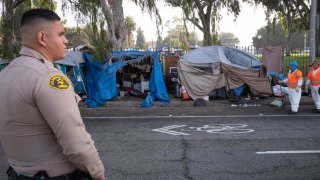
(210, 68)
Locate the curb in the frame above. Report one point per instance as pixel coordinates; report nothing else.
(130, 103)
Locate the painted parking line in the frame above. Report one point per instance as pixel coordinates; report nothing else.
(291, 152)
(219, 116)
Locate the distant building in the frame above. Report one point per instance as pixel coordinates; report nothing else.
(151, 44)
(228, 42)
(84, 48)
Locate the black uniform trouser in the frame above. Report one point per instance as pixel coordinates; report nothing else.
(42, 175)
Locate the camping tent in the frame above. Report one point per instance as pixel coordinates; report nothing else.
(73, 65)
(210, 68)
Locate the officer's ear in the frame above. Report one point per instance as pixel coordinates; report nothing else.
(42, 38)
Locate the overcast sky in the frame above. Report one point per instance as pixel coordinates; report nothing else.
(245, 27)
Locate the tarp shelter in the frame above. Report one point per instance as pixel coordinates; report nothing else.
(73, 65)
(210, 68)
(102, 85)
(3, 64)
(272, 58)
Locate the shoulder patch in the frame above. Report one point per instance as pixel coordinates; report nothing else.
(59, 82)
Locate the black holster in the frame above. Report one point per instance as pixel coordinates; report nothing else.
(42, 175)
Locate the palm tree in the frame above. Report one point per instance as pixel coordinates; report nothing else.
(131, 27)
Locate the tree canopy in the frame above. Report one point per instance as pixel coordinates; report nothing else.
(205, 15)
(141, 42)
(276, 37)
(291, 13)
(10, 23)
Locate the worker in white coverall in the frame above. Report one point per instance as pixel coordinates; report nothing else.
(294, 81)
(313, 81)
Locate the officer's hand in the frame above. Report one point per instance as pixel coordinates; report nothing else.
(101, 178)
(279, 82)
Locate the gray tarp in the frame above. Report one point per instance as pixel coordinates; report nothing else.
(219, 54)
(254, 78)
(73, 58)
(199, 71)
(197, 82)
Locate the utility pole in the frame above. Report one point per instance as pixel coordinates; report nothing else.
(305, 42)
(313, 24)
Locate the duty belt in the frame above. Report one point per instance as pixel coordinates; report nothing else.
(42, 175)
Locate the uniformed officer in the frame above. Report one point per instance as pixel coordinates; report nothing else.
(313, 80)
(294, 81)
(41, 130)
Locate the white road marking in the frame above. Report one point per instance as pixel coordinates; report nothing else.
(222, 116)
(220, 128)
(168, 130)
(290, 152)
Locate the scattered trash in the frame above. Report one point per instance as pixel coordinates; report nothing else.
(277, 103)
(246, 105)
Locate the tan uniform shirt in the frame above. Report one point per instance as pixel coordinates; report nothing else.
(40, 123)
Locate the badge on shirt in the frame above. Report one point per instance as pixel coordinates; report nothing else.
(59, 82)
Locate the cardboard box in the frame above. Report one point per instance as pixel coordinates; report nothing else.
(127, 84)
(143, 86)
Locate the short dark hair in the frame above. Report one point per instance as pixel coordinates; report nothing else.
(32, 14)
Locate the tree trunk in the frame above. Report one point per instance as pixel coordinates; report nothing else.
(130, 39)
(113, 12)
(318, 44)
(207, 37)
(7, 28)
(290, 26)
(207, 40)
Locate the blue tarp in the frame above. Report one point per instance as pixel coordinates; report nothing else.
(101, 82)
(238, 91)
(157, 87)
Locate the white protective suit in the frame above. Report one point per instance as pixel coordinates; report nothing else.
(314, 91)
(294, 94)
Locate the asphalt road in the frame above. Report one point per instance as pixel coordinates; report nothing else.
(207, 143)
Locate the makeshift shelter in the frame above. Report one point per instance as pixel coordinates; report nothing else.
(102, 82)
(272, 58)
(3, 64)
(74, 66)
(211, 68)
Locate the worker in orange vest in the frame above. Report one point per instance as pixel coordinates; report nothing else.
(294, 81)
(313, 81)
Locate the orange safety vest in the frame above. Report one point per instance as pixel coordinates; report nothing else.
(314, 78)
(293, 79)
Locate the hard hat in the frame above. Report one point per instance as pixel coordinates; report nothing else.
(294, 63)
